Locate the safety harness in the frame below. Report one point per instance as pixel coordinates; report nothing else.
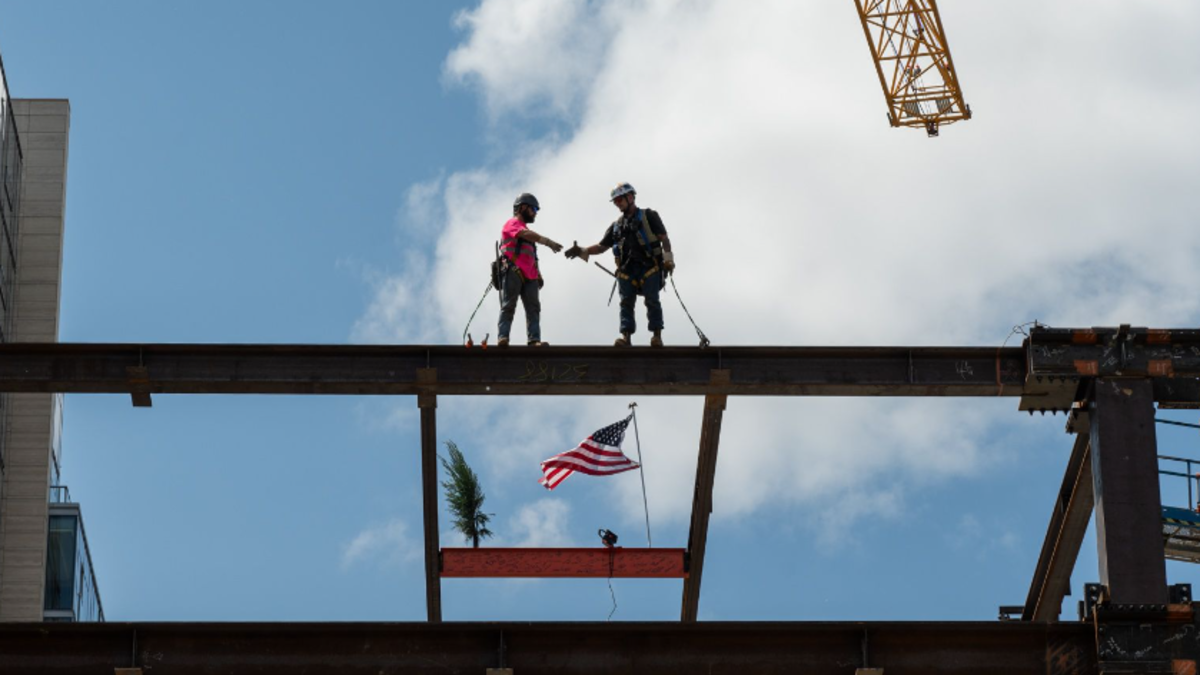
(510, 249)
(649, 242)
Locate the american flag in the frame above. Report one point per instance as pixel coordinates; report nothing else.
(598, 455)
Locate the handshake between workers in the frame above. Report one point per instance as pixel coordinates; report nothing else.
(638, 239)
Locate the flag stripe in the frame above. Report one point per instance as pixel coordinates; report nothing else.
(554, 477)
(589, 469)
(584, 459)
(599, 450)
(584, 451)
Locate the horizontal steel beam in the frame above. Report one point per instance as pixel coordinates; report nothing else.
(368, 369)
(1045, 373)
(544, 563)
(1123, 351)
(1017, 648)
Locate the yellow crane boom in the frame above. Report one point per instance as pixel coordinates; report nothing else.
(913, 61)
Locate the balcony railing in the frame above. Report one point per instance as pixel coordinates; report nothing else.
(60, 494)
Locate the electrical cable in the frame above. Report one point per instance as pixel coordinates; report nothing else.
(1019, 328)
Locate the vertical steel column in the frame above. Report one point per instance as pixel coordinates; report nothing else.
(706, 469)
(429, 496)
(1128, 505)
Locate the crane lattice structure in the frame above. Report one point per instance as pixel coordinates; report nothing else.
(913, 62)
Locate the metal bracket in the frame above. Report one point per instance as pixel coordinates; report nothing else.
(1093, 595)
(139, 385)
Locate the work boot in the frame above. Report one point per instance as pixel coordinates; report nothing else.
(623, 341)
(502, 342)
(538, 343)
(656, 339)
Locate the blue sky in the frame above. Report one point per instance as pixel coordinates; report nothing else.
(336, 173)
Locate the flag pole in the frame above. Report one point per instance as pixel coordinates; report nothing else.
(642, 472)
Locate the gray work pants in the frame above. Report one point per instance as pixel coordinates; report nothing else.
(515, 287)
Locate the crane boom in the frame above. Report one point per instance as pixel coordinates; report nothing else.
(913, 61)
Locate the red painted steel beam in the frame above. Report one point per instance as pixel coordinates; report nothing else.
(542, 563)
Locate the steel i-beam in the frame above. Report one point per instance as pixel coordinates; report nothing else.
(1064, 537)
(1128, 504)
(546, 563)
(545, 371)
(592, 648)
(429, 496)
(706, 470)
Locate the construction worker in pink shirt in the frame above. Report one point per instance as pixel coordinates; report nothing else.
(522, 278)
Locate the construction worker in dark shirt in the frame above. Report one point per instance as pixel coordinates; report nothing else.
(644, 259)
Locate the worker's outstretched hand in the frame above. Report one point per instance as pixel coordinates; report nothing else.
(554, 245)
(574, 252)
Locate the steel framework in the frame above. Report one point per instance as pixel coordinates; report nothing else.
(913, 61)
(1108, 380)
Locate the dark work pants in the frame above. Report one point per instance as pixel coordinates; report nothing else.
(649, 291)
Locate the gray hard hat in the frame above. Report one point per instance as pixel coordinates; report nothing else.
(621, 190)
(527, 200)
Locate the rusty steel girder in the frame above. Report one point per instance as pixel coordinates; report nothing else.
(373, 369)
(752, 648)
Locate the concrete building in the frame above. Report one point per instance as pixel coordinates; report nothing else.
(45, 567)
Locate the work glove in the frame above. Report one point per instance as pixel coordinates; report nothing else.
(576, 251)
(554, 245)
(668, 262)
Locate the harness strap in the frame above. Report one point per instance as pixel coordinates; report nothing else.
(511, 246)
(637, 283)
(645, 236)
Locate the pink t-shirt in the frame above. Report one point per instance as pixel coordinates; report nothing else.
(525, 262)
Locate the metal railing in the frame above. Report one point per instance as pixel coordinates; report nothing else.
(59, 494)
(1189, 474)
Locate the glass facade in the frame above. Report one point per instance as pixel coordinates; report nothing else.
(71, 590)
(56, 427)
(10, 195)
(11, 159)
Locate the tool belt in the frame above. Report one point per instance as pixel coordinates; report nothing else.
(640, 281)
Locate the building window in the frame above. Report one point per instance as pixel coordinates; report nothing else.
(60, 563)
(71, 590)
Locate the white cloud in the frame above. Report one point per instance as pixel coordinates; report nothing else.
(799, 217)
(541, 524)
(386, 544)
(536, 57)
